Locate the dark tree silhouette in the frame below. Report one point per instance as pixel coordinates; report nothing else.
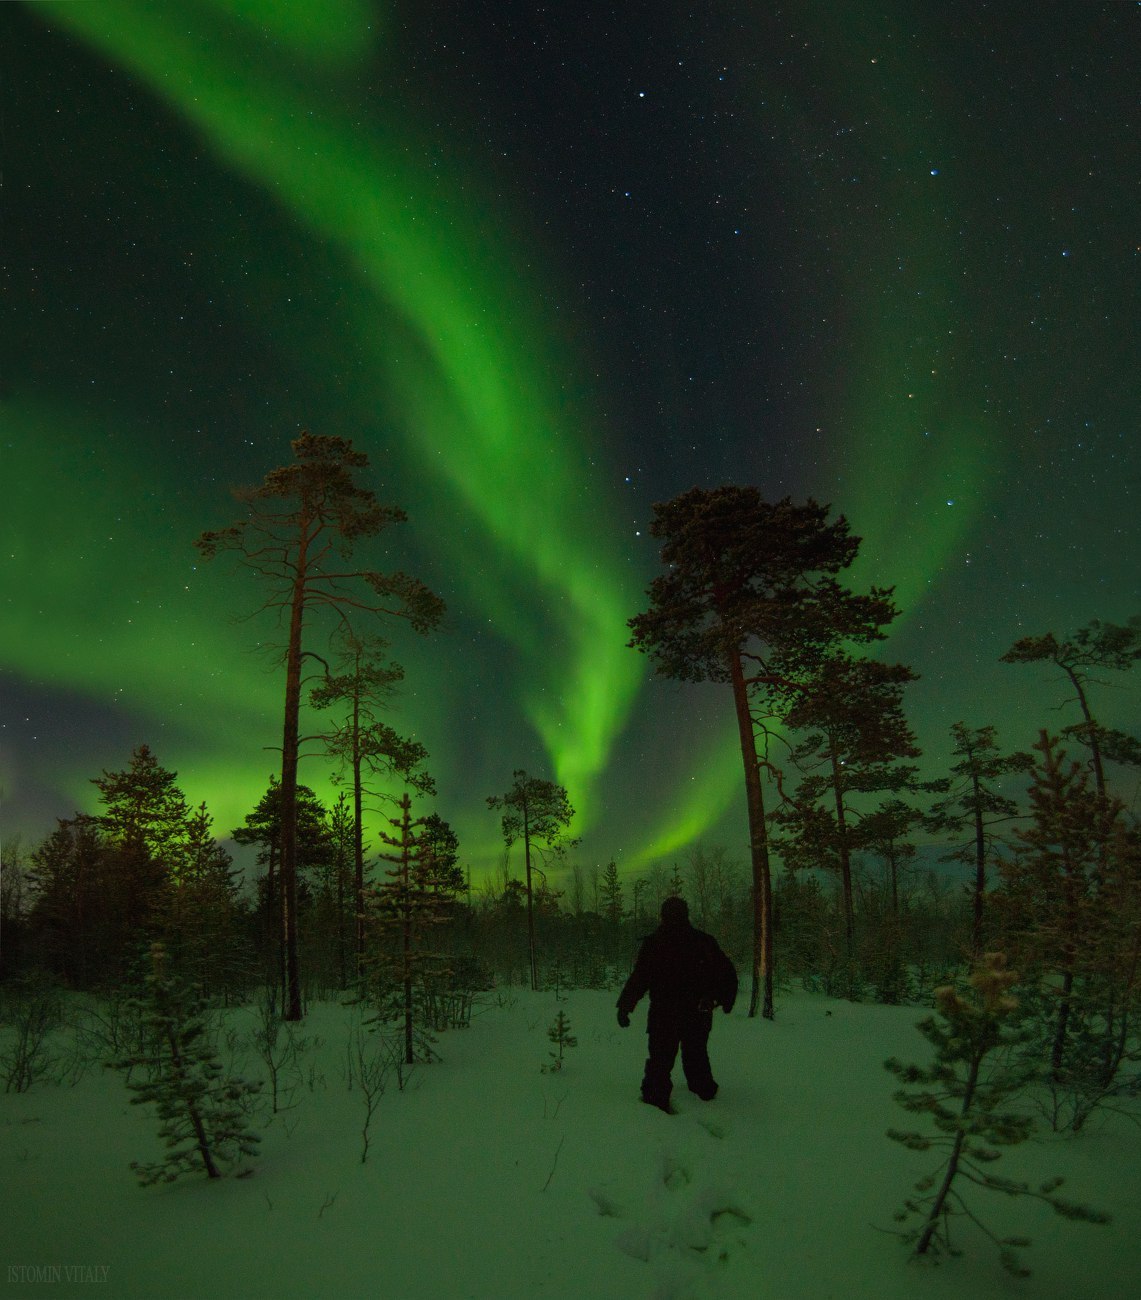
(408, 904)
(537, 812)
(972, 800)
(748, 597)
(1071, 906)
(300, 528)
(365, 746)
(312, 847)
(853, 712)
(967, 1103)
(1098, 647)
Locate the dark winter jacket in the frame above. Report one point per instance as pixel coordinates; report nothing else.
(681, 968)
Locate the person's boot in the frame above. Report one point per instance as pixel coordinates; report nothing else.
(661, 1105)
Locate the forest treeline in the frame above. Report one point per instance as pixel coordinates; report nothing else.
(368, 897)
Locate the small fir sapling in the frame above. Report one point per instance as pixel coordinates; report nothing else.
(203, 1114)
(560, 1035)
(965, 1105)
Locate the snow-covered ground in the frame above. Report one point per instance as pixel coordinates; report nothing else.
(487, 1177)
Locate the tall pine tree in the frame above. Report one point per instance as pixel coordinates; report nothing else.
(300, 526)
(748, 597)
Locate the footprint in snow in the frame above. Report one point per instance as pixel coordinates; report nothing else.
(683, 1227)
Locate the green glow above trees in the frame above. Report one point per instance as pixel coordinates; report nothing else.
(482, 412)
(368, 240)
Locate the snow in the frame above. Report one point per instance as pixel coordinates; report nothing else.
(488, 1177)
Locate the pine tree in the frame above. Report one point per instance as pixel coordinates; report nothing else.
(971, 801)
(300, 525)
(1070, 904)
(749, 598)
(1097, 647)
(561, 1037)
(143, 807)
(312, 849)
(367, 748)
(204, 1116)
(613, 907)
(538, 812)
(965, 1101)
(406, 910)
(853, 711)
(103, 881)
(70, 916)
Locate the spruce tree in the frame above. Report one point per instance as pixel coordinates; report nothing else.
(613, 907)
(204, 1115)
(313, 848)
(406, 909)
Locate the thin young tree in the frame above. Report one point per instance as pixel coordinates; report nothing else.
(336, 893)
(299, 531)
(749, 598)
(367, 748)
(972, 801)
(1098, 647)
(407, 908)
(537, 812)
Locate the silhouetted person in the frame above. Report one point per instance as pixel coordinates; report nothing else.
(686, 975)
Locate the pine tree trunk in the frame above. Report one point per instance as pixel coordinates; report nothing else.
(980, 871)
(289, 758)
(191, 1109)
(893, 866)
(762, 963)
(1091, 731)
(531, 956)
(358, 853)
(1058, 1052)
(845, 859)
(953, 1163)
(409, 1054)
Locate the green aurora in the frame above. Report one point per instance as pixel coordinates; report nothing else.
(396, 290)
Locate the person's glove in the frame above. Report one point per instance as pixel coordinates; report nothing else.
(623, 1019)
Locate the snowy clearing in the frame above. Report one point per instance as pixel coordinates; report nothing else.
(488, 1177)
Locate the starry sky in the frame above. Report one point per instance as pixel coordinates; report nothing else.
(547, 265)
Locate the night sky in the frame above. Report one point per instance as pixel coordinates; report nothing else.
(547, 265)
